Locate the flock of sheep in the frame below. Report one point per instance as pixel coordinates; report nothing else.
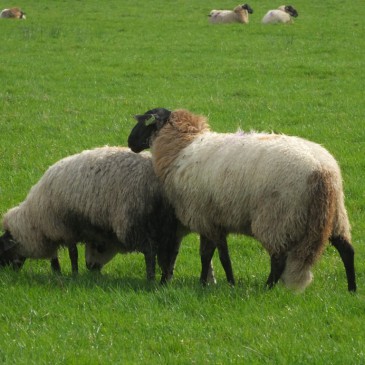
(284, 191)
(284, 14)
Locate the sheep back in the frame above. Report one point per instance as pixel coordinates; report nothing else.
(276, 16)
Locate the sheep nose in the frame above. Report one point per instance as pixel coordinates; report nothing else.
(17, 264)
(93, 266)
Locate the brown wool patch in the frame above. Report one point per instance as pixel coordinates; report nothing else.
(187, 122)
(321, 211)
(182, 128)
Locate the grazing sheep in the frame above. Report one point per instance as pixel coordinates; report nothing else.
(238, 15)
(284, 14)
(284, 191)
(14, 13)
(107, 197)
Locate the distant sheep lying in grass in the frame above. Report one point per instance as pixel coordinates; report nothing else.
(284, 191)
(109, 198)
(238, 15)
(14, 13)
(284, 14)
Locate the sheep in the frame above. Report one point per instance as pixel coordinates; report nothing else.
(14, 13)
(106, 197)
(284, 14)
(238, 15)
(284, 191)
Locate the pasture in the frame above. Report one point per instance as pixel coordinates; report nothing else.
(73, 74)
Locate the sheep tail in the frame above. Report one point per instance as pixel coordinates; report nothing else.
(321, 212)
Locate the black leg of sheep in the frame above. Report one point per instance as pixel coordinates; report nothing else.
(277, 268)
(225, 259)
(347, 253)
(207, 248)
(167, 262)
(74, 257)
(55, 265)
(150, 260)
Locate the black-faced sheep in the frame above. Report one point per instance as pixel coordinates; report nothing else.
(284, 191)
(238, 15)
(108, 197)
(284, 14)
(14, 13)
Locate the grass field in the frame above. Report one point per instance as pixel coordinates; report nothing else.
(73, 75)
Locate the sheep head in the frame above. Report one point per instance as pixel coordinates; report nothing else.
(248, 8)
(8, 252)
(291, 11)
(98, 255)
(147, 125)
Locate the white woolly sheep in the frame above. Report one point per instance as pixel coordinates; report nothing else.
(286, 192)
(238, 15)
(284, 14)
(109, 198)
(14, 13)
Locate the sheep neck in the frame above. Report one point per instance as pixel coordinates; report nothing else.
(242, 16)
(181, 130)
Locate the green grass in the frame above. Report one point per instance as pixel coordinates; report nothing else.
(73, 75)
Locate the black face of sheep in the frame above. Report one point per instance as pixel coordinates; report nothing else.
(291, 11)
(98, 255)
(248, 8)
(8, 254)
(147, 124)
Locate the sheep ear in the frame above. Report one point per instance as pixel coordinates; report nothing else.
(150, 121)
(146, 119)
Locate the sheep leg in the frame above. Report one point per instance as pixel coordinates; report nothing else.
(211, 276)
(347, 253)
(55, 265)
(74, 256)
(150, 261)
(168, 269)
(225, 259)
(207, 249)
(277, 268)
